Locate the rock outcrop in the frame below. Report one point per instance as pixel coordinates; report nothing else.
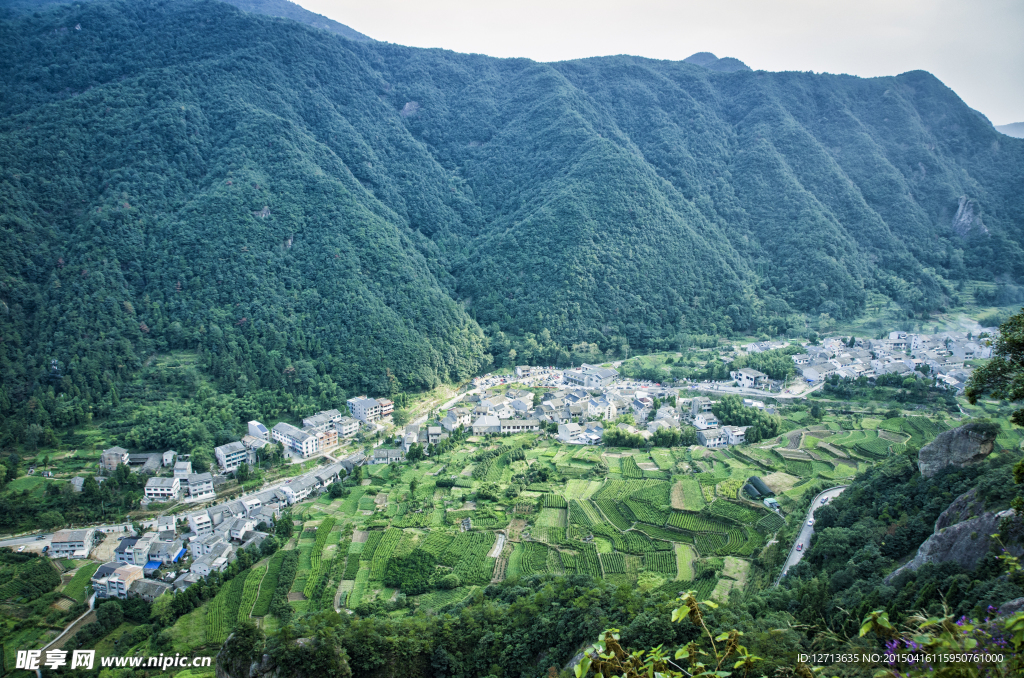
(962, 534)
(961, 446)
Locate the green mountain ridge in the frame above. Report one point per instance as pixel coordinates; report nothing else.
(183, 174)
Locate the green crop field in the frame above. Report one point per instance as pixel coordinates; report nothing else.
(632, 528)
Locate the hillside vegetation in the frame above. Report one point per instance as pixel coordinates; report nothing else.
(314, 213)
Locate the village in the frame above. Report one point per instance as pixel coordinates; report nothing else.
(572, 406)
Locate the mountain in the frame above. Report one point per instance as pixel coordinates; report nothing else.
(282, 9)
(1014, 129)
(314, 211)
(710, 61)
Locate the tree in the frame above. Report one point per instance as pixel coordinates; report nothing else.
(50, 520)
(400, 416)
(1003, 376)
(242, 472)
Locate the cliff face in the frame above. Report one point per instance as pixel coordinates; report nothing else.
(961, 535)
(967, 444)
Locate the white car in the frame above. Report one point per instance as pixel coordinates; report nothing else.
(810, 522)
(21, 548)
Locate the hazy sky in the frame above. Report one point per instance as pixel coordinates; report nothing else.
(974, 46)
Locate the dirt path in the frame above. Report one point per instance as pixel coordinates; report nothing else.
(498, 546)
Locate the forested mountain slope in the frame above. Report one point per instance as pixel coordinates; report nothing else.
(311, 208)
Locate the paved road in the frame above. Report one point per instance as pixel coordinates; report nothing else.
(27, 539)
(807, 530)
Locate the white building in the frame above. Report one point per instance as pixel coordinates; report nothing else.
(456, 417)
(712, 437)
(201, 524)
(162, 489)
(113, 579)
(295, 440)
(591, 376)
(71, 543)
(169, 457)
(749, 378)
(367, 410)
(200, 486)
(519, 425)
(258, 430)
(347, 427)
(231, 456)
(182, 470)
(735, 435)
(486, 424)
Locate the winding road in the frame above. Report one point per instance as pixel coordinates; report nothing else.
(807, 530)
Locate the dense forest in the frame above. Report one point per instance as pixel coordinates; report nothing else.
(318, 215)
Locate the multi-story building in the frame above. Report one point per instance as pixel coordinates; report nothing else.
(71, 543)
(456, 417)
(712, 437)
(749, 378)
(259, 430)
(200, 486)
(112, 580)
(201, 524)
(364, 409)
(231, 456)
(182, 470)
(295, 440)
(162, 489)
(347, 427)
(112, 457)
(591, 376)
(321, 421)
(387, 408)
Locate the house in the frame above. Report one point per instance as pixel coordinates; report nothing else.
(258, 430)
(705, 421)
(748, 378)
(434, 434)
(411, 436)
(254, 444)
(801, 359)
(141, 548)
(184, 581)
(486, 424)
(201, 524)
(240, 526)
(387, 456)
(712, 437)
(124, 553)
(182, 470)
(772, 504)
(387, 407)
(203, 545)
(162, 489)
(519, 425)
(216, 560)
(642, 408)
(346, 427)
(166, 550)
(169, 457)
(700, 405)
(200, 486)
(591, 376)
(295, 440)
(321, 421)
(366, 410)
(148, 589)
(231, 456)
(568, 432)
(326, 440)
(353, 460)
(735, 435)
(523, 370)
(71, 543)
(113, 580)
(112, 457)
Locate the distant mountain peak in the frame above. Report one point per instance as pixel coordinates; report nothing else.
(713, 63)
(1014, 129)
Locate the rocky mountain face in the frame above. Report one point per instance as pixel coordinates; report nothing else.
(966, 444)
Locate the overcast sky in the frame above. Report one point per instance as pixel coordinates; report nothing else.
(974, 46)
